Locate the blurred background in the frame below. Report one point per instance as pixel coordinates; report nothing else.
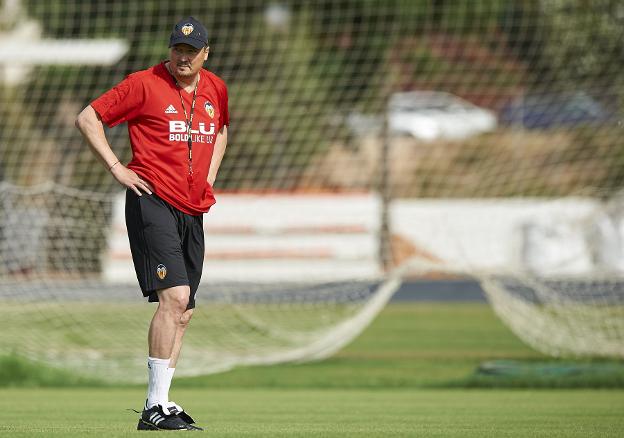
(447, 150)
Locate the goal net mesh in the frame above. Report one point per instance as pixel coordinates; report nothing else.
(487, 132)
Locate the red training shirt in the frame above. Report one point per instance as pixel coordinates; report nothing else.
(149, 100)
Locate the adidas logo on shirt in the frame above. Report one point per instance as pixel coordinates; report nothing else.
(171, 110)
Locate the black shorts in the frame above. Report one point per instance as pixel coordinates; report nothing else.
(167, 245)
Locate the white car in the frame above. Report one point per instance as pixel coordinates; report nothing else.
(434, 115)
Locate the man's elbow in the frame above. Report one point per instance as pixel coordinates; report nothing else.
(83, 118)
(80, 119)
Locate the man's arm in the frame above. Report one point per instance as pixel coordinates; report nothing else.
(90, 125)
(217, 155)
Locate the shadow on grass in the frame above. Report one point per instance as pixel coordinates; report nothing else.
(601, 374)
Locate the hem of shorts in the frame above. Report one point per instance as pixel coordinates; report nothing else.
(147, 293)
(152, 296)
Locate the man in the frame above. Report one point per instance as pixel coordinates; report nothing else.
(177, 114)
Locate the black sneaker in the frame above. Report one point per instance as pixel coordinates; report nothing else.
(169, 417)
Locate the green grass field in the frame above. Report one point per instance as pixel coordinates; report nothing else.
(411, 373)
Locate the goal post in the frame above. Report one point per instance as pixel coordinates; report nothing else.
(371, 141)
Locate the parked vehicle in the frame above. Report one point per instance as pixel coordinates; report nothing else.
(547, 110)
(432, 115)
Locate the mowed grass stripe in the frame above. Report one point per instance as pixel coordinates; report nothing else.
(329, 412)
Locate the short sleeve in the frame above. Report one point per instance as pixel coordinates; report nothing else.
(224, 119)
(121, 103)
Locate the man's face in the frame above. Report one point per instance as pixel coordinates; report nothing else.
(186, 60)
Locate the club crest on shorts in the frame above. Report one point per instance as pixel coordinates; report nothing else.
(161, 271)
(209, 109)
(187, 29)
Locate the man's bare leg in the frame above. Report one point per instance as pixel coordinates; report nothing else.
(162, 336)
(162, 332)
(177, 345)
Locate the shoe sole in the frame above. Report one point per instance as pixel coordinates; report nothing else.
(143, 425)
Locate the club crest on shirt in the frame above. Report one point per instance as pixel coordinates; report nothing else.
(161, 271)
(209, 109)
(187, 29)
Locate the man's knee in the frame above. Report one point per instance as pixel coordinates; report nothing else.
(175, 299)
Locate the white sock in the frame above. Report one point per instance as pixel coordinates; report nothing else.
(158, 383)
(170, 372)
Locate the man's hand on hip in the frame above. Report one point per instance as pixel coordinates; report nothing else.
(130, 179)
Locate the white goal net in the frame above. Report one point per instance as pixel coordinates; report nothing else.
(480, 138)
